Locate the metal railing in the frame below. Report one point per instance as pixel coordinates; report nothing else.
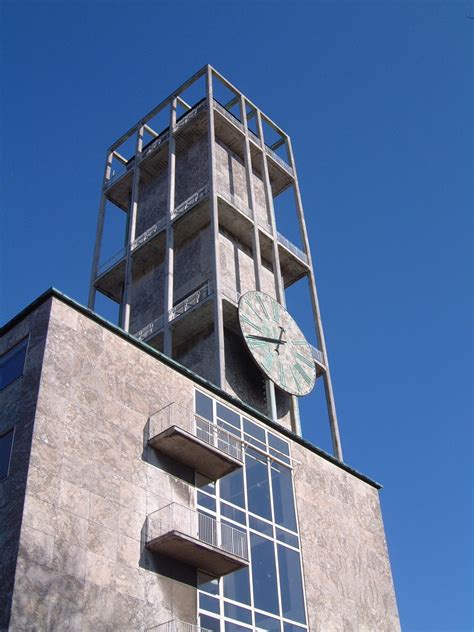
(188, 204)
(176, 517)
(189, 117)
(255, 138)
(191, 301)
(317, 354)
(176, 625)
(279, 160)
(111, 261)
(116, 175)
(235, 201)
(228, 115)
(175, 415)
(294, 249)
(149, 233)
(162, 138)
(152, 328)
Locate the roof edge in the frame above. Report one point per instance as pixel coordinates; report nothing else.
(52, 292)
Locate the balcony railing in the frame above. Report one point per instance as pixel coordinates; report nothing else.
(189, 117)
(290, 246)
(177, 626)
(228, 115)
(153, 146)
(198, 526)
(111, 261)
(149, 233)
(152, 328)
(279, 160)
(116, 175)
(235, 201)
(188, 204)
(317, 354)
(254, 137)
(200, 295)
(186, 420)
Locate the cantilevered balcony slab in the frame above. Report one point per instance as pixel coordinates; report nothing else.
(110, 276)
(196, 539)
(194, 441)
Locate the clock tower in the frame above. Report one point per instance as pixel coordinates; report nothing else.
(199, 182)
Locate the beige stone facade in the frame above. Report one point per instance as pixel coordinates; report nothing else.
(83, 481)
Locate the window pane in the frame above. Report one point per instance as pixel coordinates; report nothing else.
(209, 623)
(287, 538)
(259, 525)
(264, 574)
(231, 512)
(278, 444)
(283, 502)
(291, 585)
(206, 501)
(290, 627)
(232, 488)
(236, 612)
(264, 622)
(228, 415)
(12, 363)
(255, 434)
(208, 584)
(209, 603)
(6, 442)
(237, 586)
(203, 406)
(258, 488)
(236, 627)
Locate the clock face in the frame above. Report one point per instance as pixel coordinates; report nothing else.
(277, 343)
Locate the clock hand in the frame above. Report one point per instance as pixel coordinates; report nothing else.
(277, 340)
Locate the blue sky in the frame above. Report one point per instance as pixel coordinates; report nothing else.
(377, 99)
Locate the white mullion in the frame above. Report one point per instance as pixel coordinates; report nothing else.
(275, 545)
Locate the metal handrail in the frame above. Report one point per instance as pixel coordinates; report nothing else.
(235, 201)
(111, 261)
(154, 327)
(188, 117)
(175, 415)
(279, 160)
(148, 234)
(188, 204)
(317, 354)
(190, 301)
(162, 138)
(294, 249)
(175, 625)
(176, 517)
(228, 115)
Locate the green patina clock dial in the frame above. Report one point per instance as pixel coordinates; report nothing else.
(277, 343)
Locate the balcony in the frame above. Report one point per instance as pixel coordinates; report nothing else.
(111, 274)
(194, 441)
(177, 626)
(196, 539)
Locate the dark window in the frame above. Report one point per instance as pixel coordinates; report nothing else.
(228, 415)
(232, 488)
(258, 487)
(203, 406)
(209, 623)
(6, 442)
(283, 502)
(269, 624)
(291, 584)
(237, 586)
(12, 363)
(236, 612)
(264, 574)
(209, 603)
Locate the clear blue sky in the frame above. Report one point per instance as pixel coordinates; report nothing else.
(377, 99)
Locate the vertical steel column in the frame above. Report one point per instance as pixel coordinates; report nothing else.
(218, 315)
(251, 197)
(331, 405)
(99, 231)
(169, 265)
(132, 225)
(280, 288)
(257, 260)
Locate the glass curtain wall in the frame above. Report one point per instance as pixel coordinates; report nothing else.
(259, 500)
